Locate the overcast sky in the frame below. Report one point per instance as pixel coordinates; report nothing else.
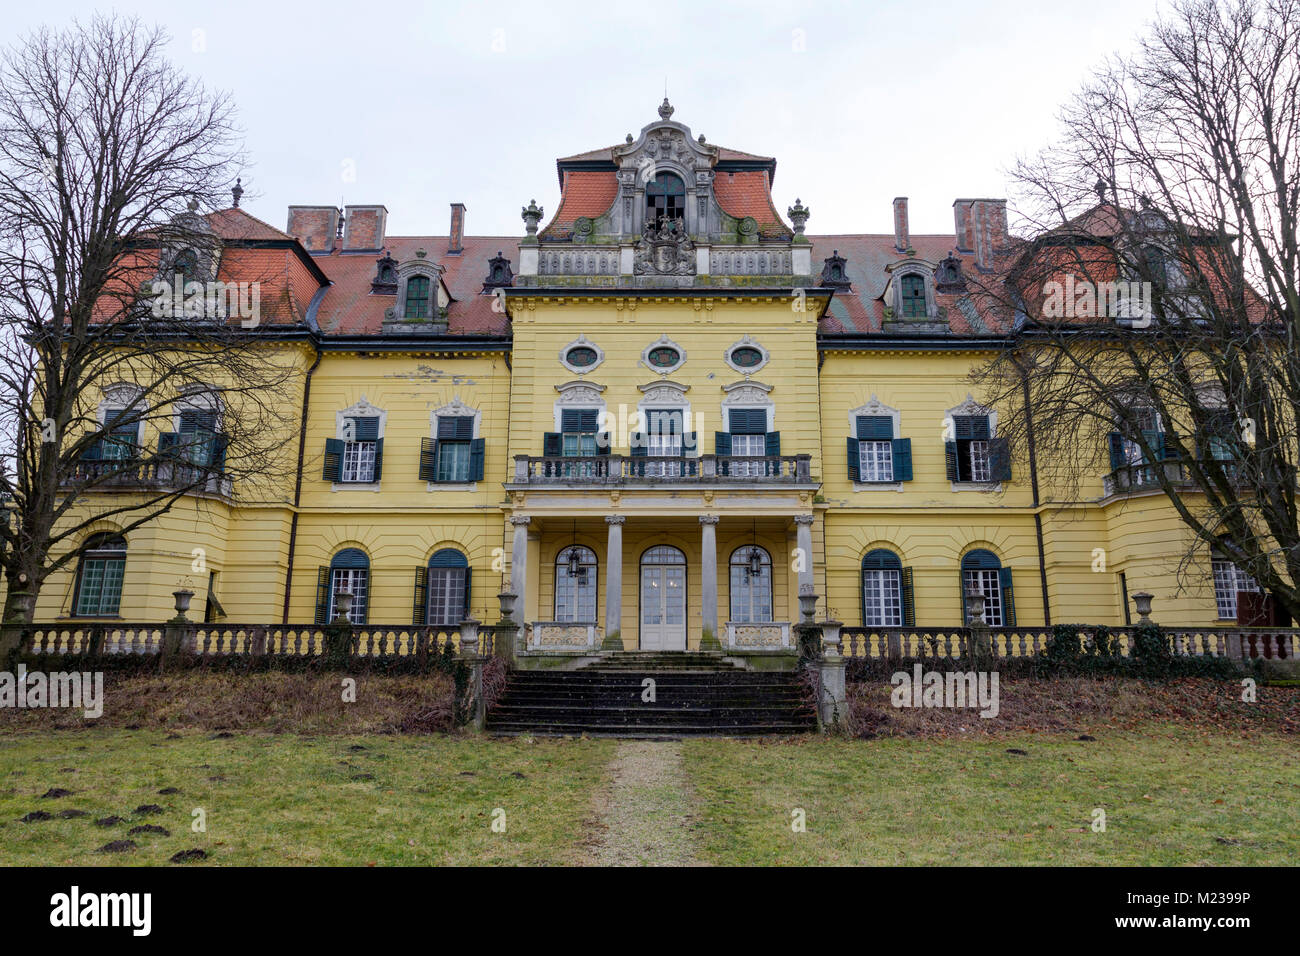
(419, 105)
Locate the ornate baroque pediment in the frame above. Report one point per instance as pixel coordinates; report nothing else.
(665, 249)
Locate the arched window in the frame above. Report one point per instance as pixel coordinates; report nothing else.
(751, 585)
(981, 570)
(187, 264)
(912, 291)
(886, 591)
(348, 571)
(575, 585)
(665, 199)
(99, 576)
(448, 588)
(417, 298)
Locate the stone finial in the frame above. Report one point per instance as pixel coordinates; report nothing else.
(237, 191)
(629, 139)
(799, 214)
(1100, 188)
(665, 109)
(531, 215)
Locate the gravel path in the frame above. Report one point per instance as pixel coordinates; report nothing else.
(644, 817)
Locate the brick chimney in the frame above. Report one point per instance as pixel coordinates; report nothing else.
(314, 226)
(456, 242)
(981, 226)
(363, 228)
(901, 240)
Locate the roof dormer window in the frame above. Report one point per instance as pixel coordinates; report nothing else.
(665, 199)
(186, 264)
(912, 296)
(417, 297)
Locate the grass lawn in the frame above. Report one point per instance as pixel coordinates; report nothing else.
(1172, 796)
(287, 799)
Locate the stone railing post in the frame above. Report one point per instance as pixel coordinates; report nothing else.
(979, 641)
(832, 708)
(471, 705)
(507, 631)
(179, 633)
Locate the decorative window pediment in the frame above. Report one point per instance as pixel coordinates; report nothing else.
(876, 408)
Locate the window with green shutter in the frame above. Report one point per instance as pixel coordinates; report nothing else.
(886, 591)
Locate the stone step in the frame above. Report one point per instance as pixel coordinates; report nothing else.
(651, 733)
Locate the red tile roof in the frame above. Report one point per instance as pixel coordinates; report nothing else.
(586, 193)
(350, 308)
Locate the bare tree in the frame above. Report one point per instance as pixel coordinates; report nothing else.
(1158, 295)
(107, 155)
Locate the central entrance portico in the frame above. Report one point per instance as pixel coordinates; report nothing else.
(663, 599)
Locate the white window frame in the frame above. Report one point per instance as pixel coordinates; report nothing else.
(1229, 579)
(884, 587)
(989, 582)
(362, 409)
(349, 578)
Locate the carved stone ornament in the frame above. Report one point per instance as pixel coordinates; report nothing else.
(664, 249)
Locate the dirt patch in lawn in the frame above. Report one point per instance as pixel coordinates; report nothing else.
(265, 702)
(644, 817)
(1084, 706)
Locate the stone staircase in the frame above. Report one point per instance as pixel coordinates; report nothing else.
(694, 694)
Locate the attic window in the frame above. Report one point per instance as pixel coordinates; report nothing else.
(385, 280)
(417, 297)
(913, 296)
(187, 264)
(665, 199)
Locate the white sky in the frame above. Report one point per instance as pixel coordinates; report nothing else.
(433, 103)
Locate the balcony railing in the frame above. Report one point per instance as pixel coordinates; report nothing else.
(103, 474)
(621, 469)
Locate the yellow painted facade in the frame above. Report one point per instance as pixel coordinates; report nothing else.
(403, 520)
(614, 279)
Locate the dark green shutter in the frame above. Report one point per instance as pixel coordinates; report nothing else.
(322, 595)
(1156, 442)
(379, 458)
(168, 442)
(365, 429)
(690, 443)
(950, 460)
(1008, 598)
(971, 427)
(94, 449)
(1168, 451)
(902, 459)
(552, 447)
(420, 605)
(219, 444)
(602, 443)
(875, 427)
(862, 596)
(999, 459)
(428, 459)
(1115, 442)
(855, 460)
(333, 459)
(465, 610)
(476, 453)
(909, 603)
(638, 445)
(773, 444)
(722, 443)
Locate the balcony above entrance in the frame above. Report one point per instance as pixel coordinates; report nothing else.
(785, 471)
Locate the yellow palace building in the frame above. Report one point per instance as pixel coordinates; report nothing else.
(655, 418)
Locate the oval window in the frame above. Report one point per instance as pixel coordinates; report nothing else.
(664, 357)
(581, 357)
(746, 357)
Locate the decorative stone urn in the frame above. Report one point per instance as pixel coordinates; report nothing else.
(1142, 601)
(507, 600)
(342, 608)
(183, 598)
(974, 607)
(807, 603)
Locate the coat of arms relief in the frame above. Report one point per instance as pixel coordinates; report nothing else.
(665, 249)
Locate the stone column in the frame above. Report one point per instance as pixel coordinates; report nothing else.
(519, 565)
(709, 639)
(803, 529)
(614, 584)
